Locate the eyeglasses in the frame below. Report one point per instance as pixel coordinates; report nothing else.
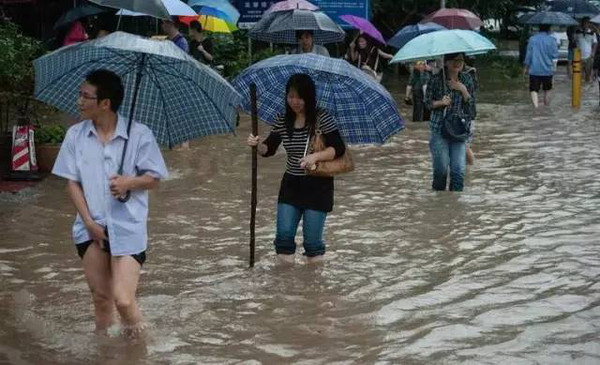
(87, 97)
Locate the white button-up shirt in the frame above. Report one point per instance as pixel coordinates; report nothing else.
(83, 158)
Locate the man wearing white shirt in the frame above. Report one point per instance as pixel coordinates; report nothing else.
(587, 43)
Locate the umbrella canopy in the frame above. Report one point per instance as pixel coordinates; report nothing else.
(216, 25)
(575, 8)
(409, 32)
(551, 18)
(174, 7)
(217, 8)
(596, 19)
(291, 5)
(177, 97)
(365, 26)
(154, 8)
(454, 19)
(436, 44)
(364, 110)
(281, 27)
(80, 12)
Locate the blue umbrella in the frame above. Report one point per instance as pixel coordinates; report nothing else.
(281, 27)
(166, 89)
(218, 8)
(364, 110)
(436, 44)
(551, 18)
(575, 8)
(410, 32)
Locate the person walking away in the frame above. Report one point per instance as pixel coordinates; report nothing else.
(542, 50)
(302, 196)
(306, 44)
(201, 47)
(171, 29)
(110, 236)
(449, 92)
(366, 56)
(587, 42)
(415, 90)
(572, 44)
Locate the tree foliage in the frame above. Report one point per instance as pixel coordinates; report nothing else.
(391, 15)
(18, 52)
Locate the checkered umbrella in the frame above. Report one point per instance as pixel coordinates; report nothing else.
(281, 27)
(176, 96)
(364, 110)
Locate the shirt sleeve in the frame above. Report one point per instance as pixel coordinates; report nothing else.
(434, 91)
(469, 107)
(528, 54)
(331, 133)
(274, 139)
(66, 161)
(149, 159)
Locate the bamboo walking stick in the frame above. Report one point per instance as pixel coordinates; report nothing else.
(254, 173)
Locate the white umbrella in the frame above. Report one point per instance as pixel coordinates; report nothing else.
(174, 8)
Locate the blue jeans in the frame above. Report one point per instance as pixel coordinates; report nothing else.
(447, 154)
(313, 224)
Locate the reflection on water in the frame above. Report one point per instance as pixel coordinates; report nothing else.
(504, 273)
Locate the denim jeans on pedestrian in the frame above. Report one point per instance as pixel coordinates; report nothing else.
(313, 224)
(446, 155)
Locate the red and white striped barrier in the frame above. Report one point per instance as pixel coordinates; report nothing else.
(23, 149)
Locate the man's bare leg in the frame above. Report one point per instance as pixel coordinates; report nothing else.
(97, 269)
(534, 99)
(547, 99)
(126, 274)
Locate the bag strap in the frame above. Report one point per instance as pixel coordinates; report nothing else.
(311, 133)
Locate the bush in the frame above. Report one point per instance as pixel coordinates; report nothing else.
(49, 133)
(231, 51)
(18, 52)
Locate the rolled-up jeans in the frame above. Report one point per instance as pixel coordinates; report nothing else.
(313, 224)
(447, 155)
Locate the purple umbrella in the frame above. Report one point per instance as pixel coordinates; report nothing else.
(291, 5)
(364, 25)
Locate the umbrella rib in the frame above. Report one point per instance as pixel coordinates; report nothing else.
(201, 89)
(157, 84)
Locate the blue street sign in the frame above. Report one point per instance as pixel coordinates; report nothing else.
(252, 10)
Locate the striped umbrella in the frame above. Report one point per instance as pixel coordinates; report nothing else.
(364, 110)
(166, 89)
(217, 8)
(281, 27)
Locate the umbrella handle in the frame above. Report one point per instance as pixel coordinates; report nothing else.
(124, 199)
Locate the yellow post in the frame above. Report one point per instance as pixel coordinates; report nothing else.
(576, 79)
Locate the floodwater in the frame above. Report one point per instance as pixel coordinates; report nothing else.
(505, 273)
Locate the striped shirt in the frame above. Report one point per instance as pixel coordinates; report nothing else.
(295, 145)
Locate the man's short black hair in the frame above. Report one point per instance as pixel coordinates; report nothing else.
(108, 86)
(545, 27)
(195, 25)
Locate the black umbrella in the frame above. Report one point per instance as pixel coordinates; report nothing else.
(551, 18)
(575, 8)
(79, 12)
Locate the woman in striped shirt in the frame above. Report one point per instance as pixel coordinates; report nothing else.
(301, 195)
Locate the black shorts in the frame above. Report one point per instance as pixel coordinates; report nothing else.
(536, 81)
(82, 248)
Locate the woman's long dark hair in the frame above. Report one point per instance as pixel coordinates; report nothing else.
(306, 89)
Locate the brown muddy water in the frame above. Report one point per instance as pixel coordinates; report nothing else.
(505, 273)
